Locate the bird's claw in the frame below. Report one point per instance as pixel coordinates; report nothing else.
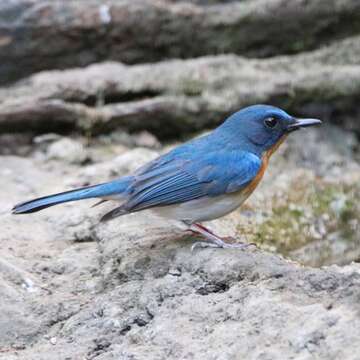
(204, 244)
(215, 241)
(238, 245)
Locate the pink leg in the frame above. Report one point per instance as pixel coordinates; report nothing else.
(213, 240)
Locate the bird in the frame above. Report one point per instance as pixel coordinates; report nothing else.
(200, 180)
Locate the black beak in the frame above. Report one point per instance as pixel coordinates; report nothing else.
(301, 123)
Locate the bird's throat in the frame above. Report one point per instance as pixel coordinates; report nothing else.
(265, 161)
(269, 152)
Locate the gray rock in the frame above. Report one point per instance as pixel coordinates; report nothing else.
(72, 288)
(176, 97)
(68, 150)
(46, 35)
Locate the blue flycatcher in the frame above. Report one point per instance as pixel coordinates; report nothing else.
(200, 180)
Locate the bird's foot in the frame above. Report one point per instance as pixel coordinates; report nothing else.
(233, 244)
(224, 245)
(203, 245)
(215, 241)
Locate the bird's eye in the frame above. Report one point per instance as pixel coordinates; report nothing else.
(270, 122)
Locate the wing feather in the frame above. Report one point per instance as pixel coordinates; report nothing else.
(177, 181)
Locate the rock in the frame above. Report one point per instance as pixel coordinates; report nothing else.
(15, 144)
(176, 97)
(47, 35)
(141, 139)
(146, 139)
(227, 305)
(132, 288)
(123, 164)
(41, 266)
(224, 304)
(19, 324)
(67, 150)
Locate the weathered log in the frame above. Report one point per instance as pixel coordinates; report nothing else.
(44, 34)
(174, 97)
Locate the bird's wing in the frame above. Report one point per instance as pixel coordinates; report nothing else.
(181, 180)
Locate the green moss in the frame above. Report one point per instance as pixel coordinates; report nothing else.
(299, 45)
(294, 225)
(321, 200)
(349, 211)
(192, 87)
(284, 229)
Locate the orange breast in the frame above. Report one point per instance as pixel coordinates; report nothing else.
(264, 163)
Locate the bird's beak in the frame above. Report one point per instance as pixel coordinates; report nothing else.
(301, 123)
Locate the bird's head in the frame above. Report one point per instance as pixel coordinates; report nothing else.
(262, 127)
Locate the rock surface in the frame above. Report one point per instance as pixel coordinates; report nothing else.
(131, 289)
(37, 35)
(181, 96)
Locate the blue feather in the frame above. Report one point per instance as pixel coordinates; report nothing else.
(101, 190)
(209, 174)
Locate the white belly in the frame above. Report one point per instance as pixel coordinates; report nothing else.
(204, 209)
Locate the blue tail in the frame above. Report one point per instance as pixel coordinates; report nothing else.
(96, 191)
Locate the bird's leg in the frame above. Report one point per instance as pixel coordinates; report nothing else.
(213, 240)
